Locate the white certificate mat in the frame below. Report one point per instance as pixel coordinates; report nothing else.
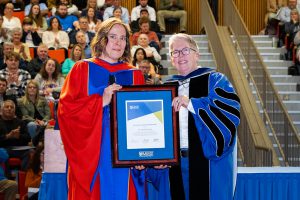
(145, 124)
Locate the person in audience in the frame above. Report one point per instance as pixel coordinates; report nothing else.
(138, 56)
(35, 109)
(8, 187)
(18, 4)
(291, 29)
(81, 40)
(43, 9)
(39, 21)
(13, 132)
(151, 52)
(35, 65)
(171, 9)
(55, 37)
(67, 21)
(144, 24)
(35, 169)
(9, 21)
(273, 7)
(143, 5)
(111, 51)
(9, 47)
(117, 13)
(81, 26)
(30, 35)
(77, 54)
(49, 79)
(97, 12)
(93, 22)
(208, 121)
(109, 11)
(285, 12)
(135, 27)
(3, 31)
(16, 78)
(20, 47)
(4, 97)
(71, 8)
(144, 66)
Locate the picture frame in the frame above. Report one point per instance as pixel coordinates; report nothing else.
(144, 126)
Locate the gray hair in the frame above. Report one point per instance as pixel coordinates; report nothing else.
(184, 37)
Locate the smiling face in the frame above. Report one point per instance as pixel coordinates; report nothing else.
(117, 13)
(116, 44)
(54, 24)
(184, 64)
(50, 67)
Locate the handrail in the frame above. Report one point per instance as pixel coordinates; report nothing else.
(273, 107)
(257, 150)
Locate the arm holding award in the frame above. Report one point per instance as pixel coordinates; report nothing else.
(84, 118)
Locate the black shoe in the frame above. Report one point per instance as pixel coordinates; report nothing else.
(183, 31)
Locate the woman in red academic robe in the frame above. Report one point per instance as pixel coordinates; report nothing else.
(83, 116)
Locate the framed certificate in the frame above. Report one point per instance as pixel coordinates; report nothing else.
(144, 126)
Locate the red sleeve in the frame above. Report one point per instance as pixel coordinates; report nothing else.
(80, 121)
(138, 78)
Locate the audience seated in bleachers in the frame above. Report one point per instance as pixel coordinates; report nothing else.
(82, 25)
(39, 22)
(55, 37)
(43, 7)
(77, 53)
(13, 132)
(9, 21)
(66, 21)
(151, 52)
(93, 22)
(4, 96)
(30, 35)
(35, 110)
(109, 11)
(7, 48)
(150, 79)
(35, 65)
(49, 79)
(93, 4)
(138, 56)
(16, 78)
(18, 4)
(71, 8)
(171, 9)
(143, 5)
(19, 46)
(144, 24)
(135, 27)
(81, 40)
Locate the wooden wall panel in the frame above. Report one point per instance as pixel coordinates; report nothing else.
(252, 11)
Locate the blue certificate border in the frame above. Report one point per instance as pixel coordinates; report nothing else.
(146, 156)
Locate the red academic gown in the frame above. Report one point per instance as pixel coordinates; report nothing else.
(80, 115)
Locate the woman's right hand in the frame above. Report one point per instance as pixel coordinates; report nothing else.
(108, 92)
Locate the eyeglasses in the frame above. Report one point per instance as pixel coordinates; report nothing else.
(114, 37)
(184, 51)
